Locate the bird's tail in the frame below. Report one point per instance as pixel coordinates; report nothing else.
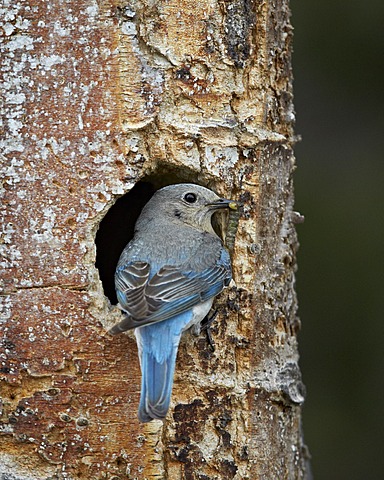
(158, 344)
(156, 385)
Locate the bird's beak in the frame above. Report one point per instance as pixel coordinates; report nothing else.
(223, 203)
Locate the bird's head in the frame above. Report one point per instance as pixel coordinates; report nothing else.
(188, 203)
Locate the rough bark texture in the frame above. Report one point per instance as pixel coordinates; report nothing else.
(98, 96)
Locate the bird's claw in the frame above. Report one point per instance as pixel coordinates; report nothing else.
(205, 326)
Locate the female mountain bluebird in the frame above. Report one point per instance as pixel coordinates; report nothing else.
(166, 280)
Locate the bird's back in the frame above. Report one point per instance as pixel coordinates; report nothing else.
(173, 244)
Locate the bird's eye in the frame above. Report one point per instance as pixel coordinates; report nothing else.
(190, 197)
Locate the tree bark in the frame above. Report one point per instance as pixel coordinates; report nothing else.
(100, 96)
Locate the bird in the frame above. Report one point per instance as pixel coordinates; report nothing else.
(166, 280)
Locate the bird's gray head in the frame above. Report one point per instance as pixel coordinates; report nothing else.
(185, 202)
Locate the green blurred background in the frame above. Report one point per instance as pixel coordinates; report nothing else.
(339, 83)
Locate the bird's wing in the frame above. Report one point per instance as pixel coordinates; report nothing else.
(130, 282)
(169, 292)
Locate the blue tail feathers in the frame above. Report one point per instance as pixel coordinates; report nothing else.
(158, 345)
(156, 386)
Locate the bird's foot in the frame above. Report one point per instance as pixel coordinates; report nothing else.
(205, 326)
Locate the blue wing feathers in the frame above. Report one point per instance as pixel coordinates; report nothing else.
(167, 291)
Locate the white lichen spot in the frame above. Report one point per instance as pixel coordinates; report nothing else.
(8, 28)
(92, 11)
(119, 188)
(133, 143)
(16, 98)
(209, 444)
(14, 126)
(48, 61)
(31, 337)
(6, 233)
(60, 30)
(20, 42)
(129, 28)
(220, 160)
(98, 206)
(10, 256)
(82, 217)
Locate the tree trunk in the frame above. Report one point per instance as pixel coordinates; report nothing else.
(100, 98)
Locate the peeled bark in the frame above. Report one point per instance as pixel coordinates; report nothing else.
(100, 97)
